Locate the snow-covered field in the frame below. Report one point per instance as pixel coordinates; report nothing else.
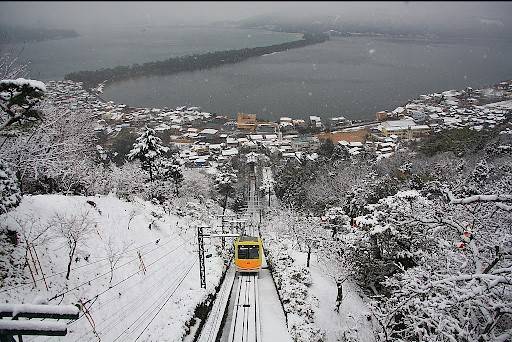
(153, 254)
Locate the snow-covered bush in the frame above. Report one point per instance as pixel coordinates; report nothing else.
(224, 183)
(170, 170)
(196, 185)
(10, 195)
(293, 283)
(127, 180)
(448, 270)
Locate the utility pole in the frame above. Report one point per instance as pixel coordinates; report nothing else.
(202, 274)
(200, 243)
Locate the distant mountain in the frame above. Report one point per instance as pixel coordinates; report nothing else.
(469, 28)
(17, 34)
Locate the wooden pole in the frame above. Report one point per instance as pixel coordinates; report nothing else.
(41, 268)
(30, 269)
(32, 257)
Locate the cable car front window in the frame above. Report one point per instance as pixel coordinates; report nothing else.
(248, 252)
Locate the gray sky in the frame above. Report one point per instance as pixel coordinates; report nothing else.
(86, 15)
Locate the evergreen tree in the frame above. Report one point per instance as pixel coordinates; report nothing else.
(176, 175)
(147, 149)
(18, 100)
(170, 169)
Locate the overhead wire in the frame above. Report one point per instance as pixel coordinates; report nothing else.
(138, 300)
(106, 273)
(150, 307)
(123, 280)
(179, 284)
(72, 269)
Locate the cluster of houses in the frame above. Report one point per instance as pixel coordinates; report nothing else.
(472, 108)
(206, 139)
(112, 118)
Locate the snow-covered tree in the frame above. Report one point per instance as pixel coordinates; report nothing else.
(147, 148)
(19, 99)
(51, 151)
(10, 68)
(170, 169)
(225, 184)
(127, 179)
(114, 252)
(459, 286)
(291, 180)
(10, 195)
(197, 186)
(292, 280)
(74, 229)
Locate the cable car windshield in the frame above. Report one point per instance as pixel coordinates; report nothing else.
(248, 252)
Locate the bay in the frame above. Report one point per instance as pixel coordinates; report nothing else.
(126, 45)
(352, 77)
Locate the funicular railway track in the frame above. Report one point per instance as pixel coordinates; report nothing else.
(243, 308)
(245, 323)
(244, 316)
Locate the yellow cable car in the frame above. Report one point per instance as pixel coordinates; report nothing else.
(248, 253)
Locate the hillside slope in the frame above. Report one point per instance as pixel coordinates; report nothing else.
(155, 278)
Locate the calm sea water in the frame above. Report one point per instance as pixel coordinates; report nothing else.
(353, 77)
(136, 44)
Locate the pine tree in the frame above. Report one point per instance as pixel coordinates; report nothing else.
(176, 175)
(19, 99)
(147, 149)
(170, 169)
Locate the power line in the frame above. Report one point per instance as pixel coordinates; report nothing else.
(128, 307)
(181, 281)
(104, 274)
(125, 279)
(114, 320)
(138, 319)
(76, 268)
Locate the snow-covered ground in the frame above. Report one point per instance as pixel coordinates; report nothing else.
(155, 286)
(351, 323)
